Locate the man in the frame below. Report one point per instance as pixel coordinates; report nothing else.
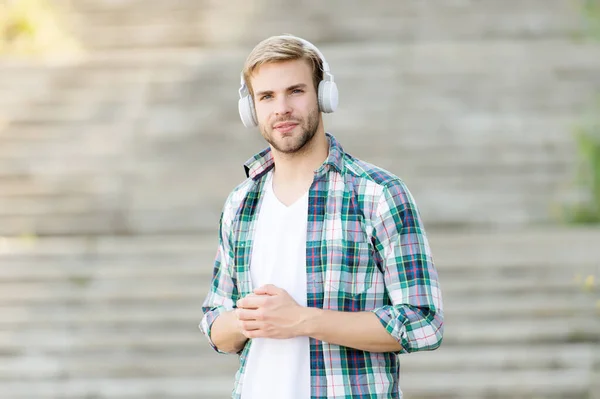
(323, 273)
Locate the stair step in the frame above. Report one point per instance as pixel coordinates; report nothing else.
(484, 180)
(503, 359)
(211, 387)
(474, 251)
(147, 17)
(44, 151)
(75, 112)
(125, 264)
(466, 129)
(539, 248)
(122, 78)
(150, 216)
(116, 365)
(9, 168)
(549, 384)
(80, 306)
(407, 23)
(52, 206)
(14, 134)
(25, 81)
(159, 35)
(39, 136)
(40, 187)
(129, 8)
(188, 279)
(141, 248)
(96, 222)
(427, 165)
(477, 137)
(158, 268)
(152, 210)
(161, 61)
(178, 336)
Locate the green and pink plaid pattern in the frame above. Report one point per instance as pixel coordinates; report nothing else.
(366, 250)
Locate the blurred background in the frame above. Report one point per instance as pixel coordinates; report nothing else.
(120, 140)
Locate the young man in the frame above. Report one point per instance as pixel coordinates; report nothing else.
(323, 273)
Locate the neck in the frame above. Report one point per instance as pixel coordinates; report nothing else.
(298, 169)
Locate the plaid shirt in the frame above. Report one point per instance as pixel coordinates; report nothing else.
(366, 250)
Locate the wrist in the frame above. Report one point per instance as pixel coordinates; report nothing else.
(308, 321)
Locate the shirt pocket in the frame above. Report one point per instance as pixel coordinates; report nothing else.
(349, 269)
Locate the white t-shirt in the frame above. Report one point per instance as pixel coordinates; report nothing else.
(279, 368)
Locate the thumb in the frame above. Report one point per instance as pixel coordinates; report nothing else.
(268, 289)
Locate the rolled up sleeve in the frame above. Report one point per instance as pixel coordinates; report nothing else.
(415, 317)
(223, 292)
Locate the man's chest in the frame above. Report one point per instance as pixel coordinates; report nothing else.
(278, 253)
(333, 245)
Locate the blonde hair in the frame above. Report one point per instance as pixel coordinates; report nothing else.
(279, 49)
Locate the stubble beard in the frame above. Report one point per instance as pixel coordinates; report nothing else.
(294, 145)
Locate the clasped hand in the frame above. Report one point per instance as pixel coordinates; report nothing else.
(269, 312)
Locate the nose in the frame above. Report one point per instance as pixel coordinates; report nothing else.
(282, 106)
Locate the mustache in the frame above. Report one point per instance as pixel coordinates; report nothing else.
(289, 119)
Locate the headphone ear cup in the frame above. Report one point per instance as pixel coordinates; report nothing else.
(246, 110)
(328, 96)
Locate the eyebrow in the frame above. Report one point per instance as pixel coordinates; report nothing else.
(293, 87)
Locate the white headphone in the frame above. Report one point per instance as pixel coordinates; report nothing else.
(327, 91)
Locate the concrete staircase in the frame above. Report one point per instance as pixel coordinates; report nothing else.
(71, 158)
(49, 163)
(113, 172)
(110, 24)
(130, 142)
(115, 317)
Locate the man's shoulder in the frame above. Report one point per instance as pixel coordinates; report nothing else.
(374, 183)
(366, 173)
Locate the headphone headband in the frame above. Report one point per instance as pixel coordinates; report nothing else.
(313, 47)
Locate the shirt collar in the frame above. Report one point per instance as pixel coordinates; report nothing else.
(263, 162)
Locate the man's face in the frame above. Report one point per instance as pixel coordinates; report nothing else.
(286, 104)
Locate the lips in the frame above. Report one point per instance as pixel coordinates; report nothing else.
(285, 127)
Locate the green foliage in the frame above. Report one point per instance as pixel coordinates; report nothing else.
(587, 138)
(588, 145)
(591, 14)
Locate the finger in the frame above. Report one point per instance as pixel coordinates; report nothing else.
(251, 325)
(246, 314)
(268, 289)
(241, 302)
(249, 302)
